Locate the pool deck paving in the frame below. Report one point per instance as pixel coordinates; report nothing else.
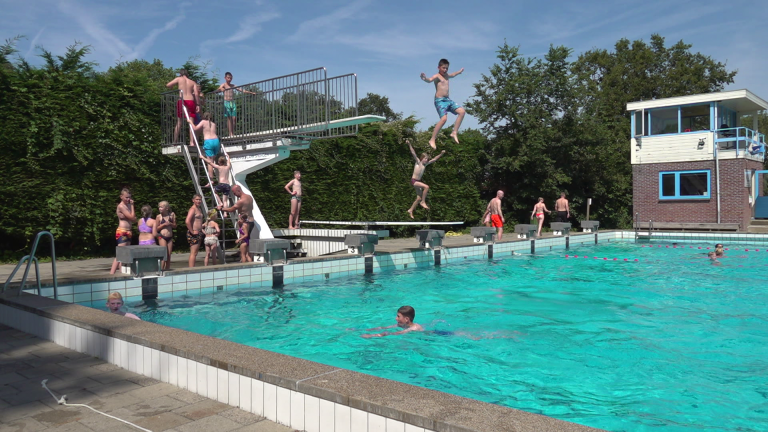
(25, 406)
(97, 269)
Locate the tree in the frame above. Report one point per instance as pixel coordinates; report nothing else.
(376, 104)
(526, 107)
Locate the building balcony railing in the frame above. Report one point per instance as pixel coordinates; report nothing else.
(300, 105)
(740, 139)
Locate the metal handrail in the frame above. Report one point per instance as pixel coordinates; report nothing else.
(32, 258)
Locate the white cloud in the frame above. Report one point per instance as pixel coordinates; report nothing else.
(248, 26)
(317, 28)
(33, 44)
(105, 39)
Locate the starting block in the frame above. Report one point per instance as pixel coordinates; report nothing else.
(526, 231)
(590, 226)
(483, 234)
(138, 261)
(361, 244)
(430, 239)
(269, 250)
(560, 228)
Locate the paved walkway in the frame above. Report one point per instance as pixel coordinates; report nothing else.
(25, 406)
(97, 269)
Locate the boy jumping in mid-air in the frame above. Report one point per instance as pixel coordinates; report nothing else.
(294, 188)
(223, 167)
(404, 318)
(443, 103)
(418, 171)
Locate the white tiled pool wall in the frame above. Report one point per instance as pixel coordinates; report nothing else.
(285, 406)
(702, 237)
(207, 282)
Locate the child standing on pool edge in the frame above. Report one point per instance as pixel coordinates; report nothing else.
(294, 188)
(443, 103)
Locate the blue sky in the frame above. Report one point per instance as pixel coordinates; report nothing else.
(386, 43)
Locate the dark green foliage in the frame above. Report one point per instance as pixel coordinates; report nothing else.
(376, 104)
(557, 125)
(368, 178)
(73, 138)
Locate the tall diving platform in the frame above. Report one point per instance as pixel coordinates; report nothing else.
(273, 118)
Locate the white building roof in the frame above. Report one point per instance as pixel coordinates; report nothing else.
(737, 100)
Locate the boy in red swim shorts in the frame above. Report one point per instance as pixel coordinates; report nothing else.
(190, 98)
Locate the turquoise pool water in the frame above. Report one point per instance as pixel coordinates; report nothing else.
(666, 343)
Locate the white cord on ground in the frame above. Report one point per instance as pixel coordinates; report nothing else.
(63, 401)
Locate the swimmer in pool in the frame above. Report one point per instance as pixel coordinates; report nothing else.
(405, 316)
(719, 250)
(713, 258)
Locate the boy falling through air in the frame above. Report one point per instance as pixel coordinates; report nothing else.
(418, 171)
(443, 103)
(404, 318)
(294, 188)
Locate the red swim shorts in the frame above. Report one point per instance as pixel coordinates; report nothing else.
(191, 108)
(496, 221)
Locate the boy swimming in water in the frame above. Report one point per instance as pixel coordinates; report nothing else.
(443, 103)
(404, 318)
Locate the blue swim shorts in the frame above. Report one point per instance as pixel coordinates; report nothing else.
(211, 147)
(445, 105)
(230, 109)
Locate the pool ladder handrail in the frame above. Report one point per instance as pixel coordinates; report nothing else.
(32, 258)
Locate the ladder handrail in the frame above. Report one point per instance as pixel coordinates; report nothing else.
(198, 188)
(32, 258)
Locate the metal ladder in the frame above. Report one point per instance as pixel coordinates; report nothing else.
(637, 227)
(198, 171)
(29, 260)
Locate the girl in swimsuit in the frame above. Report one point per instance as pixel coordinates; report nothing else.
(165, 222)
(211, 230)
(243, 228)
(147, 227)
(539, 210)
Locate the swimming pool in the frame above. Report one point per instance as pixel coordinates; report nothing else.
(666, 343)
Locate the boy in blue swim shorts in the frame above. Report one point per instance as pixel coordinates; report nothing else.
(230, 105)
(211, 145)
(443, 103)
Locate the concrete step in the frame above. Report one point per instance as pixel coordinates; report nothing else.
(763, 222)
(760, 229)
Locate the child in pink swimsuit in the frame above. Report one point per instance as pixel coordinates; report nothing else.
(147, 227)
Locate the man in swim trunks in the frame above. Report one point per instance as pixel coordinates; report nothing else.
(443, 103)
(418, 171)
(190, 100)
(211, 146)
(230, 106)
(497, 218)
(404, 319)
(294, 188)
(244, 205)
(126, 215)
(562, 209)
(194, 223)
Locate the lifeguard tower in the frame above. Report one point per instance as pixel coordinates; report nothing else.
(274, 118)
(697, 162)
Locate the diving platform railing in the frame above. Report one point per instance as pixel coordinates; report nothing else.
(741, 139)
(303, 105)
(29, 259)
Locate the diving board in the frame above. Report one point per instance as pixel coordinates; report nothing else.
(378, 223)
(274, 117)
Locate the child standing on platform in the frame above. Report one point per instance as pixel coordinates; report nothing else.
(294, 188)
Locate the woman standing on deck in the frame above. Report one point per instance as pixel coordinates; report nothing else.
(166, 222)
(538, 211)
